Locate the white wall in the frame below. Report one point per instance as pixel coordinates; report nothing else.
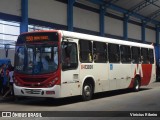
(134, 31)
(12, 7)
(85, 19)
(150, 35)
(56, 12)
(48, 10)
(113, 26)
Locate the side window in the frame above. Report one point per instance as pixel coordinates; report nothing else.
(85, 51)
(144, 56)
(99, 52)
(113, 53)
(69, 55)
(135, 55)
(125, 54)
(151, 56)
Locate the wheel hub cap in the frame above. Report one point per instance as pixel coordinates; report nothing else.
(87, 90)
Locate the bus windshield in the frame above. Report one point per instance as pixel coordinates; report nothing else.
(36, 59)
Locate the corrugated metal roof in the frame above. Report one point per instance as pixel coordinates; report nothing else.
(127, 4)
(148, 10)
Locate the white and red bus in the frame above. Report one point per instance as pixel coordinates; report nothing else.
(60, 64)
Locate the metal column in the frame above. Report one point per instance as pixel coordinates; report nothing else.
(70, 14)
(24, 16)
(101, 20)
(157, 47)
(125, 27)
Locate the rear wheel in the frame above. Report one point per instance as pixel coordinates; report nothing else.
(136, 85)
(87, 91)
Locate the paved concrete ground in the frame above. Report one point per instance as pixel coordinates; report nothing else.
(147, 99)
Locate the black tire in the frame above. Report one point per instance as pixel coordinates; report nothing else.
(87, 91)
(50, 99)
(136, 85)
(19, 98)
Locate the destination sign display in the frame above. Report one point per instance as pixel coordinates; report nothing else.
(38, 37)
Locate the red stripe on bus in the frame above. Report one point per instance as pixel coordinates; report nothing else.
(147, 72)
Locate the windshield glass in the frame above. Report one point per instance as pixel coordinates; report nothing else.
(36, 59)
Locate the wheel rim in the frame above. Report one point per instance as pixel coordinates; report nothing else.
(87, 91)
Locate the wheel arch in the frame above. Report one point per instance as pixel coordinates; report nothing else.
(89, 79)
(139, 78)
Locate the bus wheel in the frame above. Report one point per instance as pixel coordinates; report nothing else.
(136, 86)
(87, 91)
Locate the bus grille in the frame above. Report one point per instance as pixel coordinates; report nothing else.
(33, 91)
(35, 80)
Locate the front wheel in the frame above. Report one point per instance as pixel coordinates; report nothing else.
(136, 86)
(87, 91)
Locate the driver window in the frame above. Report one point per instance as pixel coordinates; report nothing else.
(20, 54)
(69, 55)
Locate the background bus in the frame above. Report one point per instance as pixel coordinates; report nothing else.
(61, 64)
(5, 61)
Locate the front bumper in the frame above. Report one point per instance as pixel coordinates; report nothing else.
(53, 92)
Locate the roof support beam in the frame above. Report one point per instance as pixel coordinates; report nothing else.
(153, 16)
(100, 2)
(24, 16)
(70, 14)
(101, 20)
(125, 27)
(122, 10)
(140, 6)
(112, 1)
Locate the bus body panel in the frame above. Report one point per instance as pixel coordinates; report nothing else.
(98, 72)
(70, 79)
(55, 92)
(106, 76)
(101, 75)
(70, 83)
(153, 74)
(148, 74)
(70, 89)
(119, 75)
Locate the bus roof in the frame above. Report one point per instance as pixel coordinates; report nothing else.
(68, 34)
(76, 35)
